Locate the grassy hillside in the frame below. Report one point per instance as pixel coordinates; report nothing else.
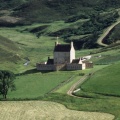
(8, 44)
(34, 42)
(105, 81)
(41, 84)
(10, 3)
(82, 21)
(83, 29)
(48, 11)
(8, 50)
(30, 33)
(29, 46)
(114, 35)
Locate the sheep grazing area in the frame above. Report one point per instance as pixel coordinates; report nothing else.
(44, 110)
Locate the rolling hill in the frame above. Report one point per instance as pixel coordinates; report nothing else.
(105, 81)
(28, 31)
(8, 51)
(80, 21)
(51, 10)
(114, 35)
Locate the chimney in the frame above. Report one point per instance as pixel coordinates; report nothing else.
(56, 43)
(71, 44)
(80, 61)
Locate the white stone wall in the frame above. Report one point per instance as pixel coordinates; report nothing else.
(44, 67)
(89, 65)
(61, 57)
(72, 54)
(75, 66)
(60, 67)
(83, 66)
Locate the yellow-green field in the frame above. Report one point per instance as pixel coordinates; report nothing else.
(42, 110)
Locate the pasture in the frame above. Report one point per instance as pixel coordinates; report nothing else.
(102, 91)
(77, 77)
(43, 110)
(105, 81)
(37, 84)
(37, 49)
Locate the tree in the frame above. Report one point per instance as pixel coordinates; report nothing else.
(6, 82)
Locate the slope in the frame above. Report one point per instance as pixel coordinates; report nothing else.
(44, 110)
(52, 10)
(105, 81)
(47, 10)
(8, 50)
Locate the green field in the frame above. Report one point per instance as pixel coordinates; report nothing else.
(105, 81)
(33, 35)
(36, 43)
(100, 92)
(104, 101)
(37, 84)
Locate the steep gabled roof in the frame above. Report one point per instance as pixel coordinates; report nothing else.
(50, 61)
(75, 61)
(62, 48)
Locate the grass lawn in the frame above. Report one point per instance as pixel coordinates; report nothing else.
(105, 81)
(32, 86)
(92, 102)
(77, 77)
(36, 49)
(38, 84)
(65, 88)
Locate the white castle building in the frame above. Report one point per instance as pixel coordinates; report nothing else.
(64, 59)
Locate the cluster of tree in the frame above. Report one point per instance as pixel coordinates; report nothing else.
(106, 4)
(95, 25)
(52, 10)
(10, 3)
(6, 82)
(113, 36)
(85, 42)
(77, 17)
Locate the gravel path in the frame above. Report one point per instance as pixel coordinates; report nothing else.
(70, 91)
(107, 31)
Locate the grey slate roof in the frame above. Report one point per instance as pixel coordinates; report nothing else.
(50, 61)
(62, 48)
(76, 61)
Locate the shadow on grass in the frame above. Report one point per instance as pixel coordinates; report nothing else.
(32, 71)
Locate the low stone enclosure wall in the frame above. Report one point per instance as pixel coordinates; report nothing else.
(88, 65)
(57, 67)
(54, 67)
(75, 66)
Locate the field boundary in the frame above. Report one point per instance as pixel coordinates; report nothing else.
(70, 91)
(60, 85)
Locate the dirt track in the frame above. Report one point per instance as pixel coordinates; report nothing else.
(70, 91)
(101, 38)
